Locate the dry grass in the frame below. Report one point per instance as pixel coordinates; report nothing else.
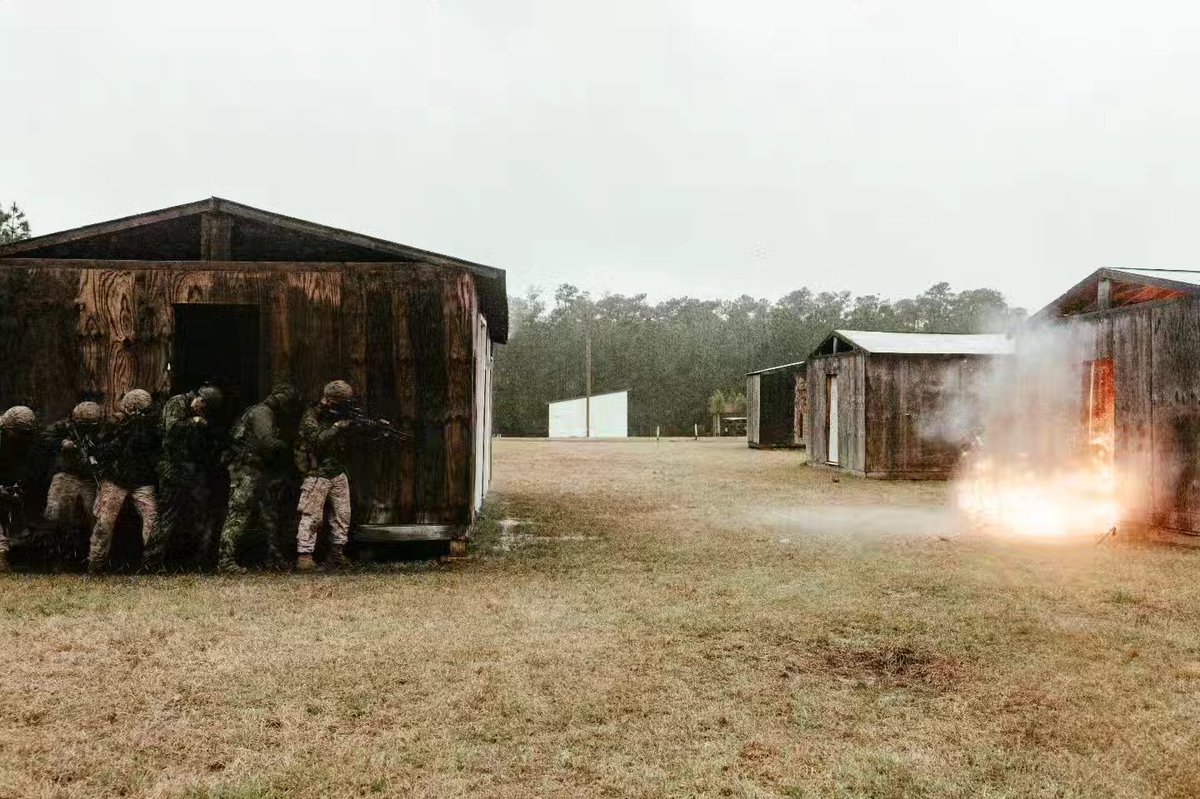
(680, 619)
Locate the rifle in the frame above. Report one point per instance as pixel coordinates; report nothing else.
(381, 429)
(87, 451)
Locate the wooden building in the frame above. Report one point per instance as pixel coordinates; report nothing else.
(776, 401)
(1138, 332)
(875, 400)
(216, 290)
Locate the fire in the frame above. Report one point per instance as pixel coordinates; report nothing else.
(1020, 499)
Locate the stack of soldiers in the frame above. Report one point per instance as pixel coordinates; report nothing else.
(165, 466)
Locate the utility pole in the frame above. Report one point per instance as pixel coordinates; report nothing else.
(588, 367)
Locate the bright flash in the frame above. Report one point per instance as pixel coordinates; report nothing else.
(1017, 500)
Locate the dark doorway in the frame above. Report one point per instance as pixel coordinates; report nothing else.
(218, 344)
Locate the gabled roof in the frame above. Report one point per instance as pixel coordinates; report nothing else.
(594, 396)
(881, 343)
(174, 234)
(1127, 287)
(798, 365)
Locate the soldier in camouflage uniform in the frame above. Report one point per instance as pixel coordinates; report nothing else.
(321, 458)
(260, 471)
(187, 471)
(19, 444)
(73, 487)
(129, 454)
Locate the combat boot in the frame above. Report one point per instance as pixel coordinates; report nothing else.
(4, 567)
(305, 563)
(229, 566)
(226, 562)
(336, 558)
(153, 565)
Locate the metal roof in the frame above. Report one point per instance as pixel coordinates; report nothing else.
(775, 368)
(927, 343)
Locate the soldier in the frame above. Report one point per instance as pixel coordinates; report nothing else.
(18, 454)
(259, 472)
(73, 487)
(128, 457)
(186, 474)
(321, 458)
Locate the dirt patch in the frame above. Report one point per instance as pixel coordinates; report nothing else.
(901, 666)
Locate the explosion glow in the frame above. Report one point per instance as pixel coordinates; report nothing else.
(1067, 488)
(1015, 500)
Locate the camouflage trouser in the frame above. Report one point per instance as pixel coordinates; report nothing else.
(185, 512)
(70, 501)
(69, 512)
(313, 495)
(254, 492)
(109, 502)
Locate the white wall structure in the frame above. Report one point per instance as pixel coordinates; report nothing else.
(610, 417)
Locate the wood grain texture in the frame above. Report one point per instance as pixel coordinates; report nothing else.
(913, 405)
(404, 337)
(1132, 354)
(1175, 399)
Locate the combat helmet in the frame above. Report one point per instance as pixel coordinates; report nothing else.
(86, 413)
(337, 391)
(19, 418)
(136, 401)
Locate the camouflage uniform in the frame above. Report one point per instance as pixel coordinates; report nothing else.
(187, 472)
(259, 476)
(321, 458)
(19, 447)
(129, 454)
(73, 489)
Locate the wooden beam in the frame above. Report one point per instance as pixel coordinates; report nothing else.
(216, 237)
(382, 533)
(213, 266)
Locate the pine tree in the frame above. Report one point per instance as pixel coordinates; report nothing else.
(13, 224)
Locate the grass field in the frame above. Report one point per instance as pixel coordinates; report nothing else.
(675, 619)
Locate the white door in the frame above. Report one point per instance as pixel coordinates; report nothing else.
(831, 435)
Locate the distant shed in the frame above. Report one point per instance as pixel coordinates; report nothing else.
(776, 399)
(598, 416)
(1139, 330)
(875, 400)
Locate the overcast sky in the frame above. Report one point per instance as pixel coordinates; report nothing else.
(709, 147)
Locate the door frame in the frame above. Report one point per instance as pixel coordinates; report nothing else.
(832, 422)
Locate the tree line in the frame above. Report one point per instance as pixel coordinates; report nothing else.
(674, 355)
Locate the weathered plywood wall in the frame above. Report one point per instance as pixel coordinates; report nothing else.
(39, 343)
(402, 334)
(915, 413)
(1175, 413)
(753, 404)
(850, 369)
(1155, 349)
